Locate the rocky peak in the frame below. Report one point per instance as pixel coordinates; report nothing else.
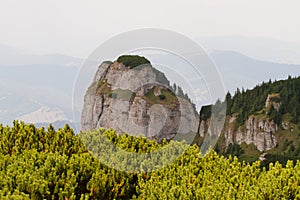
(273, 100)
(136, 100)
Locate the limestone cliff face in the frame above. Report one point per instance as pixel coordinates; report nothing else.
(136, 100)
(256, 130)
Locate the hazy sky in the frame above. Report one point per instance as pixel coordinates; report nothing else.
(76, 27)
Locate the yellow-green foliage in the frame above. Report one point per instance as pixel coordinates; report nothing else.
(48, 164)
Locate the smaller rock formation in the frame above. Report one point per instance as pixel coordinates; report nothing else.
(273, 100)
(257, 129)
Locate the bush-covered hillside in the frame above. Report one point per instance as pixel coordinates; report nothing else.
(48, 164)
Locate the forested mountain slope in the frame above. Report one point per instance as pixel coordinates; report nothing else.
(262, 122)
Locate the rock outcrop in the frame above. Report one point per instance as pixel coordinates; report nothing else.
(257, 129)
(273, 100)
(136, 101)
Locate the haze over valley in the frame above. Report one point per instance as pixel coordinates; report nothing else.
(42, 85)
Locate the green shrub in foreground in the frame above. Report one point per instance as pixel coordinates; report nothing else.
(48, 164)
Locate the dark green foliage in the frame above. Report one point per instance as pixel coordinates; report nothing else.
(162, 97)
(252, 101)
(205, 112)
(290, 149)
(249, 102)
(228, 100)
(133, 61)
(283, 106)
(282, 159)
(275, 115)
(234, 150)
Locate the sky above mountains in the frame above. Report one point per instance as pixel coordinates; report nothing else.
(43, 43)
(77, 27)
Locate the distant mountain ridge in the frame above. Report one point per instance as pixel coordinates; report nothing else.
(29, 84)
(240, 71)
(11, 57)
(29, 81)
(258, 48)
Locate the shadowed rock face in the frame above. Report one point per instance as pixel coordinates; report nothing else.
(136, 101)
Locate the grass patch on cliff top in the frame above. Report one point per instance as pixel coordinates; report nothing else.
(133, 61)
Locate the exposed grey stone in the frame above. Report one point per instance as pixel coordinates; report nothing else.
(120, 98)
(257, 130)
